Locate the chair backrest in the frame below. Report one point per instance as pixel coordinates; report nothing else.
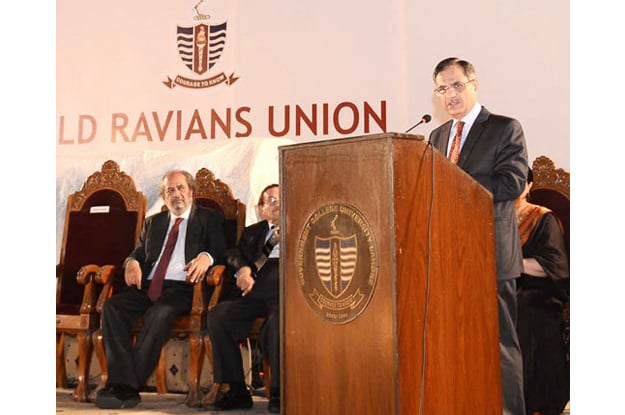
(103, 221)
(551, 189)
(211, 192)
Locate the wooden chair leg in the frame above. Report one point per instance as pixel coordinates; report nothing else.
(98, 348)
(214, 390)
(246, 358)
(61, 374)
(196, 361)
(208, 350)
(85, 347)
(160, 373)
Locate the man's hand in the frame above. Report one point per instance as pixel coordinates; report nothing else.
(132, 273)
(197, 267)
(245, 281)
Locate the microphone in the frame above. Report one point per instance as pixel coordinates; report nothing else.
(424, 120)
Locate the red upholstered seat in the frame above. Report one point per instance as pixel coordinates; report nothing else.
(102, 223)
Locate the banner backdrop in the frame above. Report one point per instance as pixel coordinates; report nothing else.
(222, 84)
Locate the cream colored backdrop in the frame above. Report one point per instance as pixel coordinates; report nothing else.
(289, 72)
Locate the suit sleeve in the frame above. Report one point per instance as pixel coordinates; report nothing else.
(215, 241)
(245, 252)
(510, 169)
(552, 255)
(139, 253)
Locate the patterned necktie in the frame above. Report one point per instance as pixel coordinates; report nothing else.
(156, 286)
(454, 153)
(267, 248)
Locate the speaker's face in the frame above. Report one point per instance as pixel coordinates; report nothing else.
(457, 93)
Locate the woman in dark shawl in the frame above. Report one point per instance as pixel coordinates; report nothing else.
(543, 298)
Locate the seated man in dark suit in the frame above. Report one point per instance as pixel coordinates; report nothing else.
(175, 247)
(254, 263)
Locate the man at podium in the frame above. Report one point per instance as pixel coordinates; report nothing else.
(490, 148)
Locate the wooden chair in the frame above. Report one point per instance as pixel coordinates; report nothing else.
(551, 189)
(253, 341)
(102, 223)
(209, 192)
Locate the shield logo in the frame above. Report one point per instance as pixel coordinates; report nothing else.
(201, 46)
(335, 258)
(336, 262)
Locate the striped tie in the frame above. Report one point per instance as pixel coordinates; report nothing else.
(454, 153)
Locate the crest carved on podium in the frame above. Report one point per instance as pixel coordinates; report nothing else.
(337, 262)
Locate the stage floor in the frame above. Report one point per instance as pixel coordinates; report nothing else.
(154, 404)
(151, 403)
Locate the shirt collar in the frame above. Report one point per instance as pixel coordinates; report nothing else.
(470, 118)
(185, 215)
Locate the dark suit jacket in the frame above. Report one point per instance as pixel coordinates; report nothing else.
(495, 155)
(249, 248)
(204, 234)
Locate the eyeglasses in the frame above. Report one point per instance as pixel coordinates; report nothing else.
(456, 86)
(271, 201)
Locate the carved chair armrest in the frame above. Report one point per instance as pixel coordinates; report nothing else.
(85, 276)
(105, 277)
(198, 307)
(59, 271)
(215, 277)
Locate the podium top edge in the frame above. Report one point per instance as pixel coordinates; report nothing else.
(380, 136)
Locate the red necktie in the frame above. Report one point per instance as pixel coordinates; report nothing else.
(156, 286)
(454, 153)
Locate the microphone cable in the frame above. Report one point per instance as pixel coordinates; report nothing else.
(427, 283)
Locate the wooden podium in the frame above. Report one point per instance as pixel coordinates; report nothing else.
(388, 281)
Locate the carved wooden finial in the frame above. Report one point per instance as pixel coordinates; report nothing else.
(206, 186)
(110, 177)
(546, 176)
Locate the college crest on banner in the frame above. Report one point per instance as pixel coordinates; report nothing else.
(199, 47)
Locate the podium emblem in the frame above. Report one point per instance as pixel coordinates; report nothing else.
(337, 262)
(335, 258)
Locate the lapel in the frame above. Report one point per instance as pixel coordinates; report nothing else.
(473, 137)
(446, 131)
(262, 233)
(193, 231)
(160, 225)
(158, 233)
